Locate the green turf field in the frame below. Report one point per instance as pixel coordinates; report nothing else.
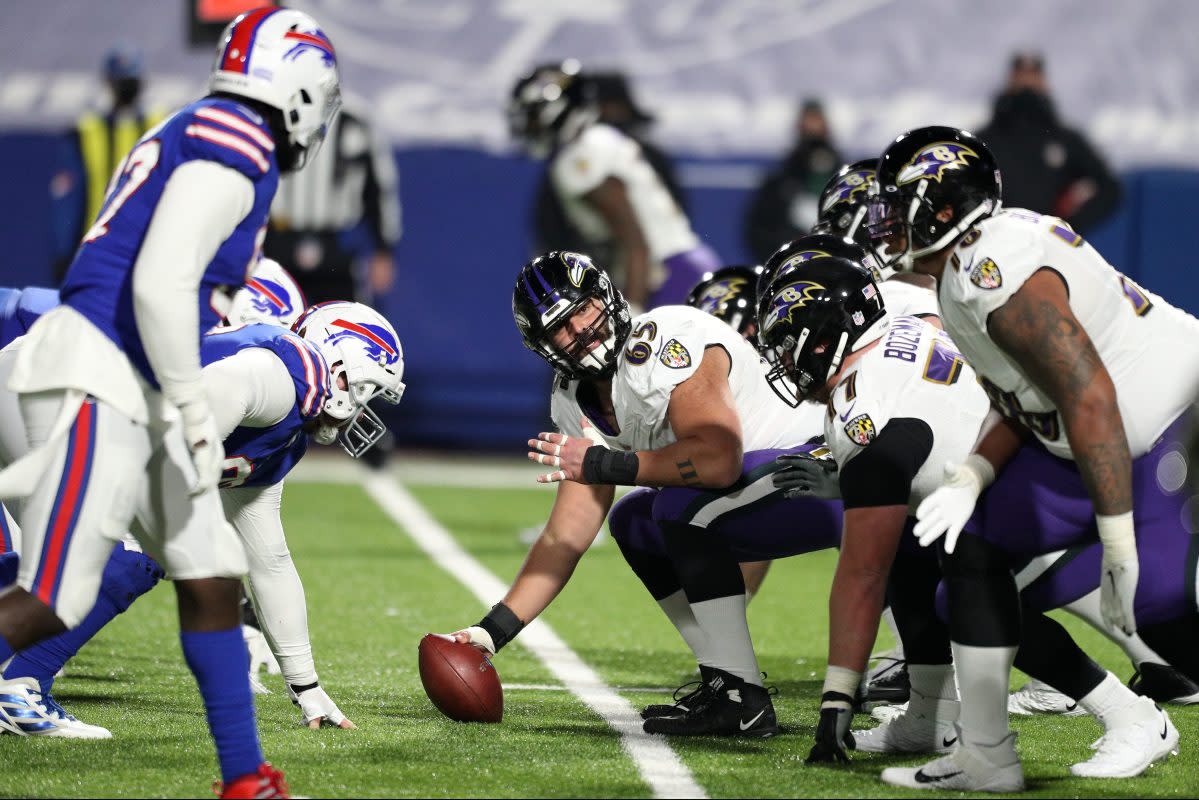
(372, 594)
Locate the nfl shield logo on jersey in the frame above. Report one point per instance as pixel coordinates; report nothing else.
(986, 275)
(675, 356)
(860, 429)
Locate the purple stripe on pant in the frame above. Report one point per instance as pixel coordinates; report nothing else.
(759, 525)
(1039, 504)
(683, 271)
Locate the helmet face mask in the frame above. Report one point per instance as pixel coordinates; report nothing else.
(549, 104)
(553, 302)
(844, 201)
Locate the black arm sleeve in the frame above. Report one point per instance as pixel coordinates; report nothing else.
(882, 474)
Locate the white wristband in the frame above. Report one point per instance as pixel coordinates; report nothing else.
(1118, 535)
(983, 471)
(842, 679)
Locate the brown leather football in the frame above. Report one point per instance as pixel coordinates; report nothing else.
(460, 680)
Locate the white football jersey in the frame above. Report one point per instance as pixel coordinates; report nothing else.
(903, 299)
(664, 349)
(1147, 345)
(913, 372)
(601, 151)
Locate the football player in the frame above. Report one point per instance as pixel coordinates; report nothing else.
(606, 187)
(902, 402)
(271, 392)
(1072, 353)
(110, 380)
(845, 201)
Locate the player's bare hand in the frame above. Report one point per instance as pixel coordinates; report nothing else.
(563, 453)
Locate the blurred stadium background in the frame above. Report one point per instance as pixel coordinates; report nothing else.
(724, 81)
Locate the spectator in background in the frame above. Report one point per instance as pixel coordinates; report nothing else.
(100, 139)
(1046, 166)
(785, 206)
(350, 188)
(554, 230)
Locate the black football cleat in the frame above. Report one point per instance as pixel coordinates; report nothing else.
(890, 684)
(1164, 684)
(698, 691)
(729, 707)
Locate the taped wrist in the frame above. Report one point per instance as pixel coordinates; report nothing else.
(1118, 534)
(612, 467)
(501, 625)
(840, 684)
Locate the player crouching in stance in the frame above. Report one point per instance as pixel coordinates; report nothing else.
(673, 398)
(109, 382)
(1099, 372)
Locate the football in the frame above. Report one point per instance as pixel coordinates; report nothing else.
(460, 680)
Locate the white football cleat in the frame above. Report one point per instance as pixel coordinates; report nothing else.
(24, 712)
(1129, 750)
(1036, 697)
(969, 768)
(885, 714)
(925, 726)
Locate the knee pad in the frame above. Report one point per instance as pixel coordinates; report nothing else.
(128, 575)
(10, 564)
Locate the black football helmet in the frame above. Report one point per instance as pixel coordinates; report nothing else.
(731, 294)
(920, 174)
(845, 202)
(813, 246)
(547, 100)
(811, 317)
(549, 290)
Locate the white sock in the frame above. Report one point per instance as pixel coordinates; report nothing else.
(727, 644)
(983, 674)
(1086, 608)
(934, 691)
(889, 618)
(678, 611)
(1113, 703)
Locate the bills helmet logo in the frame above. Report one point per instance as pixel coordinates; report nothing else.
(853, 186)
(933, 161)
(788, 300)
(860, 430)
(577, 265)
(317, 40)
(986, 275)
(675, 355)
(269, 297)
(720, 292)
(378, 343)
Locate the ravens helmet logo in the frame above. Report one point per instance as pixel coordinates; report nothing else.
(933, 161)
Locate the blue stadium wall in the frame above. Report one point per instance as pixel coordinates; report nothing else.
(466, 218)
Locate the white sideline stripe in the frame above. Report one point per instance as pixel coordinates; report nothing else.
(657, 763)
(557, 687)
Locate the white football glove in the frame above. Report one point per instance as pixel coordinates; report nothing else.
(204, 444)
(319, 709)
(1121, 570)
(947, 510)
(260, 656)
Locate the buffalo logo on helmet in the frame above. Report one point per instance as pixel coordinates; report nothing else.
(377, 342)
(860, 430)
(848, 187)
(720, 292)
(269, 297)
(934, 160)
(986, 275)
(317, 40)
(786, 301)
(577, 265)
(675, 355)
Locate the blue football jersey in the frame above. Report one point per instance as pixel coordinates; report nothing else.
(19, 308)
(99, 284)
(264, 456)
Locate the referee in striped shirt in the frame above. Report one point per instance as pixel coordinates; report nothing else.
(351, 183)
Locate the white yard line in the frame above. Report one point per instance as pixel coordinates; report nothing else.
(659, 766)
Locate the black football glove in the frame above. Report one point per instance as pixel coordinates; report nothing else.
(808, 475)
(833, 738)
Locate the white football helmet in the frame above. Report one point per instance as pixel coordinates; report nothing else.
(282, 58)
(271, 296)
(365, 361)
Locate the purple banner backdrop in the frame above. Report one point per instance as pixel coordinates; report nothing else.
(722, 77)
